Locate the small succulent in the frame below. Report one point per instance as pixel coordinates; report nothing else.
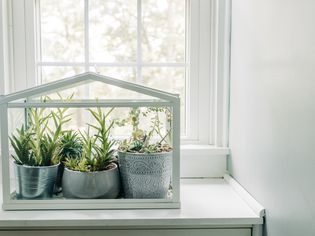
(84, 163)
(70, 145)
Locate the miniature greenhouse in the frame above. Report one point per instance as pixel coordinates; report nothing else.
(61, 152)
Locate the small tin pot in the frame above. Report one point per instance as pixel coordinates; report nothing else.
(89, 185)
(145, 175)
(35, 181)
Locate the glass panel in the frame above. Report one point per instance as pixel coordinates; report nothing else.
(146, 116)
(168, 79)
(16, 118)
(104, 91)
(62, 30)
(113, 30)
(163, 31)
(154, 126)
(53, 73)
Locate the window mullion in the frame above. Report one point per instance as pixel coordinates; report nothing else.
(192, 80)
(139, 42)
(38, 43)
(86, 35)
(86, 43)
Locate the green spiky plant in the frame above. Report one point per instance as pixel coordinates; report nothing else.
(41, 145)
(97, 151)
(141, 141)
(46, 145)
(85, 162)
(70, 146)
(37, 125)
(104, 144)
(22, 148)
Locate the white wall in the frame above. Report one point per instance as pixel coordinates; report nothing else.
(272, 117)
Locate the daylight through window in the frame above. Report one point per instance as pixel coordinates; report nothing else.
(142, 41)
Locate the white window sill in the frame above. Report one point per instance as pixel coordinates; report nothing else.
(205, 203)
(203, 150)
(203, 161)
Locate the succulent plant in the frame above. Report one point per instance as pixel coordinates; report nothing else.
(70, 145)
(97, 150)
(21, 146)
(37, 143)
(104, 144)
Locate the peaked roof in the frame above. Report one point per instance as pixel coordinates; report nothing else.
(85, 78)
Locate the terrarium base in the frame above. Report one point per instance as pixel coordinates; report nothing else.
(58, 202)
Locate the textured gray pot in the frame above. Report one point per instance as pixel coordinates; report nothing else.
(89, 185)
(145, 175)
(35, 181)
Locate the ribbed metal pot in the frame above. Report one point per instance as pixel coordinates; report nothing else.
(35, 181)
(89, 185)
(145, 175)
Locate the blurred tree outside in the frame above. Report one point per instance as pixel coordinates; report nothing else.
(112, 38)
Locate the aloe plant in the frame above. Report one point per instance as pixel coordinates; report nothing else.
(97, 150)
(39, 144)
(104, 148)
(22, 148)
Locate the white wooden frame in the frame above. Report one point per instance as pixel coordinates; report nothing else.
(163, 99)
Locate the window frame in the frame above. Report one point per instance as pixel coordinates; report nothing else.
(208, 50)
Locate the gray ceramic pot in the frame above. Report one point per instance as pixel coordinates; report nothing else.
(89, 185)
(35, 181)
(145, 175)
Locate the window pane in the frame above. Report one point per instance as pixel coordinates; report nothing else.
(53, 73)
(104, 91)
(168, 79)
(113, 30)
(62, 30)
(163, 31)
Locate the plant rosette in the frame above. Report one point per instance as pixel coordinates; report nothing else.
(145, 175)
(90, 185)
(35, 182)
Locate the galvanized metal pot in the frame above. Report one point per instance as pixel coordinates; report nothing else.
(35, 181)
(145, 175)
(88, 185)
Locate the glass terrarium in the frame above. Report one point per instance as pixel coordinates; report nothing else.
(62, 151)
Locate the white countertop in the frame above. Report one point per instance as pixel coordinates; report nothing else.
(204, 203)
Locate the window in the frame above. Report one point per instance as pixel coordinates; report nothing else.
(142, 41)
(178, 45)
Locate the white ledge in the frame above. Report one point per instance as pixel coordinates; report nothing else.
(203, 161)
(203, 150)
(206, 203)
(253, 204)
